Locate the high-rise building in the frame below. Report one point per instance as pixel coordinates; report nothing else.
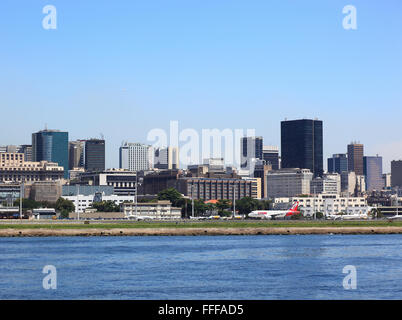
(250, 148)
(396, 173)
(166, 158)
(26, 149)
(355, 158)
(76, 154)
(52, 146)
(372, 168)
(271, 156)
(136, 157)
(94, 155)
(338, 163)
(302, 145)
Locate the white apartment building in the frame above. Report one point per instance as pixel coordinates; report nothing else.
(327, 204)
(136, 157)
(288, 182)
(82, 202)
(161, 210)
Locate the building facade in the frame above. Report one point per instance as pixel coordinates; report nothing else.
(289, 182)
(136, 157)
(94, 155)
(329, 183)
(302, 145)
(396, 173)
(13, 168)
(372, 169)
(271, 156)
(250, 148)
(161, 210)
(355, 158)
(338, 163)
(51, 146)
(166, 158)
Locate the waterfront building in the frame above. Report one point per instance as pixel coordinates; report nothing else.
(82, 202)
(51, 146)
(326, 204)
(302, 145)
(160, 210)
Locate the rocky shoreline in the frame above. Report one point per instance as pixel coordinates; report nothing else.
(43, 232)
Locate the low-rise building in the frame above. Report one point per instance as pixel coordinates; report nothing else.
(161, 210)
(327, 204)
(82, 202)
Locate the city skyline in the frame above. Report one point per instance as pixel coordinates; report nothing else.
(157, 62)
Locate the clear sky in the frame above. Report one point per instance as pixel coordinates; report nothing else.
(122, 68)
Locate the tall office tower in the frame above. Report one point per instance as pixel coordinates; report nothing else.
(302, 145)
(271, 156)
(136, 156)
(76, 154)
(52, 146)
(250, 148)
(94, 155)
(338, 163)
(372, 168)
(396, 173)
(355, 158)
(166, 158)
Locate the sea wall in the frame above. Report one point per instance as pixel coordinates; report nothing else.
(43, 232)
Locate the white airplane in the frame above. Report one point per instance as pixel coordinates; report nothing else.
(273, 214)
(352, 216)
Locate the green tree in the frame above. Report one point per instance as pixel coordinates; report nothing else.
(65, 207)
(222, 205)
(174, 196)
(247, 204)
(106, 206)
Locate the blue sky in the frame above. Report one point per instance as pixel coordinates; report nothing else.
(122, 68)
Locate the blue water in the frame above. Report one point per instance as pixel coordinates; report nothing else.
(205, 267)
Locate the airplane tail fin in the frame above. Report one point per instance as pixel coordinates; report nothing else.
(294, 209)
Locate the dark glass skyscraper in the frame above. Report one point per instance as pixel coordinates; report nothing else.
(302, 145)
(355, 158)
(52, 146)
(95, 155)
(338, 163)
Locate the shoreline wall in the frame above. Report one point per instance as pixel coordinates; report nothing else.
(196, 231)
